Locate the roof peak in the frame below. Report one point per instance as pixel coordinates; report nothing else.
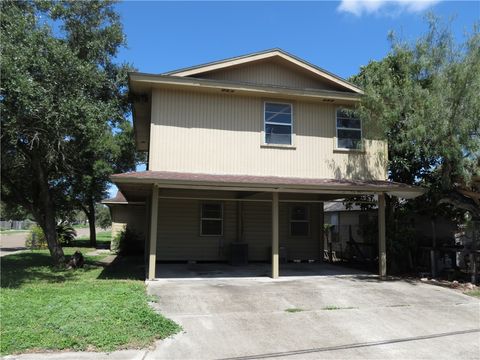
(263, 55)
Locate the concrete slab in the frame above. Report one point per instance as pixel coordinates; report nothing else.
(342, 316)
(253, 270)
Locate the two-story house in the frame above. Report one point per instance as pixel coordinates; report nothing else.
(242, 153)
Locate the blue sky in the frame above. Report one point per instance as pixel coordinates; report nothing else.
(338, 36)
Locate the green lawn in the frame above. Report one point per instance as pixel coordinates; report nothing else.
(5, 232)
(475, 293)
(99, 307)
(103, 240)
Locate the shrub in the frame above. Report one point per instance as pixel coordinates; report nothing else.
(36, 238)
(128, 242)
(66, 233)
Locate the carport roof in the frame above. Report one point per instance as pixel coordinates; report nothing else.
(267, 183)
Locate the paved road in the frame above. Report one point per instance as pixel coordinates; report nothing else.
(11, 243)
(341, 317)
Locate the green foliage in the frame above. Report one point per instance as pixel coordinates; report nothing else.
(36, 238)
(102, 214)
(94, 308)
(423, 98)
(64, 126)
(66, 233)
(128, 242)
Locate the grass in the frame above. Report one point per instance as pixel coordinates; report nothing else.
(294, 310)
(12, 231)
(103, 240)
(475, 293)
(99, 307)
(333, 307)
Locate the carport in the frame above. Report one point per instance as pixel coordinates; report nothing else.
(155, 187)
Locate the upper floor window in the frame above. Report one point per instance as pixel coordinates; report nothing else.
(349, 130)
(211, 219)
(278, 123)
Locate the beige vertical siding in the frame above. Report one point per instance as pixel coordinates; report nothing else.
(133, 216)
(269, 73)
(179, 230)
(222, 134)
(301, 247)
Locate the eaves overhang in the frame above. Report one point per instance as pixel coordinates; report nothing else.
(141, 83)
(169, 179)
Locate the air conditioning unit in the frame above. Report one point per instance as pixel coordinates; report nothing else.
(238, 254)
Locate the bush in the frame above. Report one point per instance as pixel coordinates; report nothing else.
(36, 238)
(102, 214)
(128, 242)
(66, 233)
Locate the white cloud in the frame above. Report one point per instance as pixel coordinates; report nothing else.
(384, 7)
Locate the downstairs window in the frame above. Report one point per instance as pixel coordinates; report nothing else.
(211, 219)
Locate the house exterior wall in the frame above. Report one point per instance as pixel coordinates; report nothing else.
(133, 216)
(268, 73)
(179, 239)
(223, 134)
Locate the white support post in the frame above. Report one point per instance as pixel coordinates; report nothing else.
(153, 233)
(382, 254)
(275, 236)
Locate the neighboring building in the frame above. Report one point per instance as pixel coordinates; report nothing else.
(353, 233)
(246, 151)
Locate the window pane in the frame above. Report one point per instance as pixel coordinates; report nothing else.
(299, 228)
(299, 213)
(348, 123)
(349, 143)
(212, 211)
(211, 227)
(277, 117)
(278, 108)
(278, 134)
(349, 134)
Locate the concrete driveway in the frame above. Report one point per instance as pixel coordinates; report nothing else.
(338, 317)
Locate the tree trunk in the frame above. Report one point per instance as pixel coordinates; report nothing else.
(91, 224)
(46, 215)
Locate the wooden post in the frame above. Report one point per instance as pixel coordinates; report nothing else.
(433, 252)
(321, 231)
(382, 254)
(473, 254)
(275, 236)
(153, 233)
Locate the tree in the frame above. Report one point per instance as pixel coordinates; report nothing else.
(423, 99)
(57, 98)
(102, 214)
(93, 31)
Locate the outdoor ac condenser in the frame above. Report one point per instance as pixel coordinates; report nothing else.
(239, 254)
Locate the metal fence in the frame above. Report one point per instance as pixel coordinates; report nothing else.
(15, 225)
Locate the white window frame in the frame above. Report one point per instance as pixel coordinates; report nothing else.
(216, 219)
(360, 148)
(290, 220)
(275, 123)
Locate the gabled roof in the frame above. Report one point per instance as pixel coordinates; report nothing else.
(263, 55)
